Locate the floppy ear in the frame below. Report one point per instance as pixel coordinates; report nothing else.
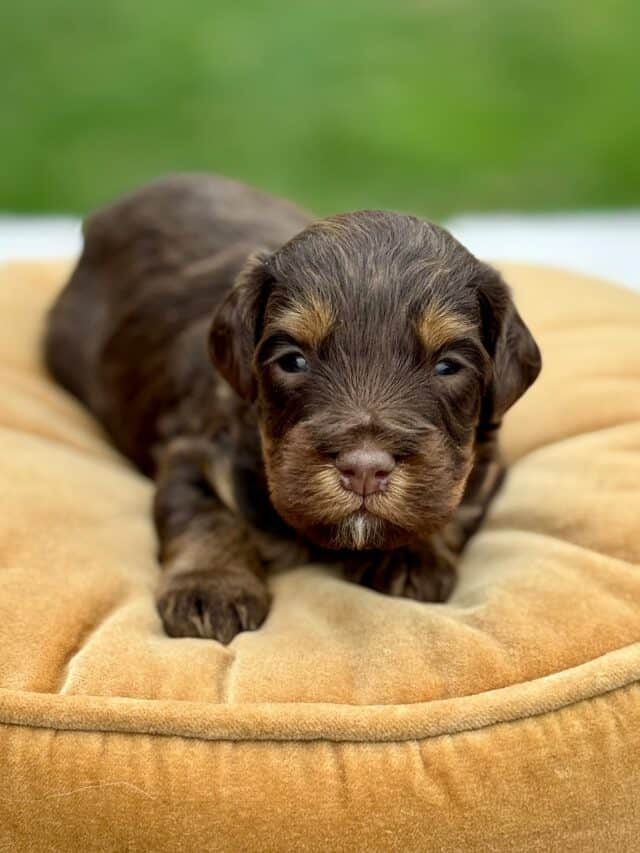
(236, 325)
(514, 352)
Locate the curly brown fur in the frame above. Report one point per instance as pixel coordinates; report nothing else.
(325, 336)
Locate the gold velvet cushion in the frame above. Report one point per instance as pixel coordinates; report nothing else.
(508, 719)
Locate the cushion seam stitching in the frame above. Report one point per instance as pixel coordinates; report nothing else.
(327, 738)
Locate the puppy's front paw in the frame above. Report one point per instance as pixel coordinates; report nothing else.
(212, 604)
(423, 576)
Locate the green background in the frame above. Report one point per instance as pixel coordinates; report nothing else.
(435, 107)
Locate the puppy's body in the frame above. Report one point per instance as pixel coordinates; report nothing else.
(128, 335)
(329, 342)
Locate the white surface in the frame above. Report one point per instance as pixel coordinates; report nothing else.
(39, 237)
(603, 244)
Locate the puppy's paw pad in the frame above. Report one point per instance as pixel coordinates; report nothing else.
(213, 605)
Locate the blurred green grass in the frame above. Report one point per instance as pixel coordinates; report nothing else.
(432, 106)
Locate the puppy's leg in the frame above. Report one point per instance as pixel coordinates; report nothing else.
(213, 578)
(425, 572)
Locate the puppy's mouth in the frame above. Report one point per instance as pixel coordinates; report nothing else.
(309, 492)
(366, 513)
(359, 528)
(364, 530)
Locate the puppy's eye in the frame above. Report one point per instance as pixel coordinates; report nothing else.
(446, 367)
(293, 362)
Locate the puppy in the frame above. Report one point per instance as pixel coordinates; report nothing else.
(363, 364)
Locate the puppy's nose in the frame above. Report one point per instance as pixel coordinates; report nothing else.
(365, 470)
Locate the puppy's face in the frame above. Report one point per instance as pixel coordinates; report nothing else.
(377, 348)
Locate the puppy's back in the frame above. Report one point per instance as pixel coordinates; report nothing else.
(179, 237)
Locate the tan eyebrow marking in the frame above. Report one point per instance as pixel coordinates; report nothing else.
(438, 326)
(309, 322)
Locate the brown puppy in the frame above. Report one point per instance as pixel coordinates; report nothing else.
(364, 363)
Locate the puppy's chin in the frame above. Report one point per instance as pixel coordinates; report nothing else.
(358, 531)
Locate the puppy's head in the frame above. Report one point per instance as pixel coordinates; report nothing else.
(376, 348)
